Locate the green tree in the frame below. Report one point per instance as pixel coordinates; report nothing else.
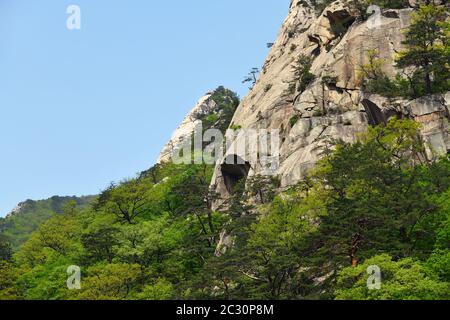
(439, 264)
(99, 242)
(252, 77)
(262, 188)
(160, 290)
(57, 233)
(271, 261)
(375, 79)
(110, 282)
(46, 281)
(380, 195)
(148, 244)
(30, 214)
(5, 249)
(427, 41)
(369, 184)
(126, 201)
(367, 203)
(405, 279)
(302, 73)
(7, 281)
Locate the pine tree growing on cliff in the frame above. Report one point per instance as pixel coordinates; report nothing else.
(252, 77)
(427, 40)
(302, 72)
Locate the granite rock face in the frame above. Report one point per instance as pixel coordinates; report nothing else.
(432, 112)
(213, 110)
(205, 105)
(333, 106)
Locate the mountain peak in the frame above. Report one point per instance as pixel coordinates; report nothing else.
(215, 109)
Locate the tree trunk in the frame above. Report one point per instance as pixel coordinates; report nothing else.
(429, 88)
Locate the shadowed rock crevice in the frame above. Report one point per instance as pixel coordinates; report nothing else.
(377, 115)
(340, 21)
(233, 171)
(374, 113)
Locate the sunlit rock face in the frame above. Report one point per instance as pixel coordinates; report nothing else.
(204, 106)
(333, 106)
(213, 110)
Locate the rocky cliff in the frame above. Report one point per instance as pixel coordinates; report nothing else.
(214, 110)
(333, 105)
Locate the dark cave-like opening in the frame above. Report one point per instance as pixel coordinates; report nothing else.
(234, 169)
(374, 113)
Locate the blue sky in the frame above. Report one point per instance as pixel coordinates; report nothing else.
(82, 108)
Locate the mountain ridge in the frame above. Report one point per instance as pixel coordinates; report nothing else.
(28, 215)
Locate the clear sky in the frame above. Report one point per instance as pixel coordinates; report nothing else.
(82, 108)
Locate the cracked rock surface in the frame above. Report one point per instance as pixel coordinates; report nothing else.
(339, 45)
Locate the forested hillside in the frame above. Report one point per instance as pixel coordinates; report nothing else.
(25, 219)
(154, 237)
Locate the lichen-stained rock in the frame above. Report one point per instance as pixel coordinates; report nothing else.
(333, 106)
(433, 114)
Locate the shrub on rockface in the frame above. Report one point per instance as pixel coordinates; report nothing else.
(302, 73)
(424, 64)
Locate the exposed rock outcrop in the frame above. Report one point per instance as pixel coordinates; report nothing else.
(205, 105)
(333, 106)
(432, 112)
(214, 109)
